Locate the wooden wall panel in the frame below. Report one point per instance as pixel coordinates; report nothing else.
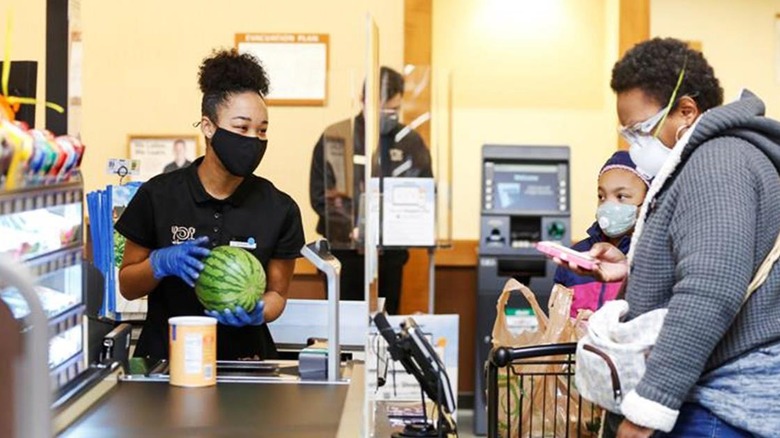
(634, 23)
(462, 253)
(418, 41)
(418, 49)
(307, 287)
(414, 294)
(456, 293)
(634, 28)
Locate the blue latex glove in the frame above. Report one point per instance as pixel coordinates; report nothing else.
(239, 317)
(182, 260)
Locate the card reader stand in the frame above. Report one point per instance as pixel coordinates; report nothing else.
(415, 353)
(318, 253)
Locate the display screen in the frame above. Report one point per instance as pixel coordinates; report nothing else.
(526, 187)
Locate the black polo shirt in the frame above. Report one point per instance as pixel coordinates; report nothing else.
(174, 207)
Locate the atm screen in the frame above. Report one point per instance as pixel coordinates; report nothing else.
(530, 187)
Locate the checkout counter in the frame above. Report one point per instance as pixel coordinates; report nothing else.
(270, 401)
(317, 395)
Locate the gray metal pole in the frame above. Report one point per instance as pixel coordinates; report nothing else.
(334, 345)
(32, 393)
(318, 253)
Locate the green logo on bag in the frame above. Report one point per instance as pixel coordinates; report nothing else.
(519, 320)
(508, 311)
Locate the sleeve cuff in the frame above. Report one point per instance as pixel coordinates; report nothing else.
(647, 413)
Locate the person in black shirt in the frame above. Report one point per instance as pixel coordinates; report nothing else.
(335, 186)
(175, 218)
(180, 160)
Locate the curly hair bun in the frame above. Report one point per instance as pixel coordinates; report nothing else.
(227, 71)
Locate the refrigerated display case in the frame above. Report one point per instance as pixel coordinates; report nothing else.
(42, 228)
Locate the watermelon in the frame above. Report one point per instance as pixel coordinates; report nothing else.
(230, 277)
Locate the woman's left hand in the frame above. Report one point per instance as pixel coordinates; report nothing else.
(240, 317)
(628, 429)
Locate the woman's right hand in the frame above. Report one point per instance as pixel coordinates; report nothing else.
(182, 260)
(611, 266)
(612, 263)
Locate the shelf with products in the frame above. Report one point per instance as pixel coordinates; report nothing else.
(61, 303)
(38, 197)
(42, 227)
(56, 260)
(31, 233)
(67, 371)
(63, 348)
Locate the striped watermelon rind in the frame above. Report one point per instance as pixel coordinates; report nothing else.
(230, 277)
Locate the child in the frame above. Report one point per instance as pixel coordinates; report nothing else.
(621, 191)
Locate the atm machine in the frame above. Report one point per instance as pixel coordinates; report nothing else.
(525, 199)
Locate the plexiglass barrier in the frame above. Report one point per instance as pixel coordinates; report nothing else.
(381, 178)
(410, 162)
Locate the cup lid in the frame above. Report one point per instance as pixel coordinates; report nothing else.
(192, 320)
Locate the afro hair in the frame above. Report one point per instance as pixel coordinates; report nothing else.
(227, 72)
(654, 66)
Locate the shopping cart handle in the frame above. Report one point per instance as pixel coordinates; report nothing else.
(503, 356)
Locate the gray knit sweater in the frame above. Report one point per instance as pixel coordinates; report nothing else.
(707, 231)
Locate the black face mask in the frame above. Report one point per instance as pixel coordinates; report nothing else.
(387, 122)
(239, 154)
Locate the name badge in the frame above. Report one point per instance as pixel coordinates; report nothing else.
(249, 244)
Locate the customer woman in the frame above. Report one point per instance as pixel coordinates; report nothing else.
(176, 217)
(710, 218)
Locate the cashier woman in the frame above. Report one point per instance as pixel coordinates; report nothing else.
(175, 218)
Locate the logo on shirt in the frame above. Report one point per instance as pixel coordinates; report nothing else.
(181, 234)
(396, 155)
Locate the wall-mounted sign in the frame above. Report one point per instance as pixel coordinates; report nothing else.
(297, 65)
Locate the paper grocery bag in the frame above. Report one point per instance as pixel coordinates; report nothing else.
(539, 393)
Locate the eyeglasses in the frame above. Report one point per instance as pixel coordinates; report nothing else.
(642, 129)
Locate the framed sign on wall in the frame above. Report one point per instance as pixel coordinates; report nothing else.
(296, 63)
(162, 153)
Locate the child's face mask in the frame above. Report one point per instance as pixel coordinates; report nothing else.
(616, 219)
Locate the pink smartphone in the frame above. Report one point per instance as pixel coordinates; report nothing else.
(581, 259)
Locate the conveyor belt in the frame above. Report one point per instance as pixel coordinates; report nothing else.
(146, 409)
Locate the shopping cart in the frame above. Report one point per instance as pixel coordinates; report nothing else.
(531, 393)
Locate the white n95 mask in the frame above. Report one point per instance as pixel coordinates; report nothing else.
(649, 154)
